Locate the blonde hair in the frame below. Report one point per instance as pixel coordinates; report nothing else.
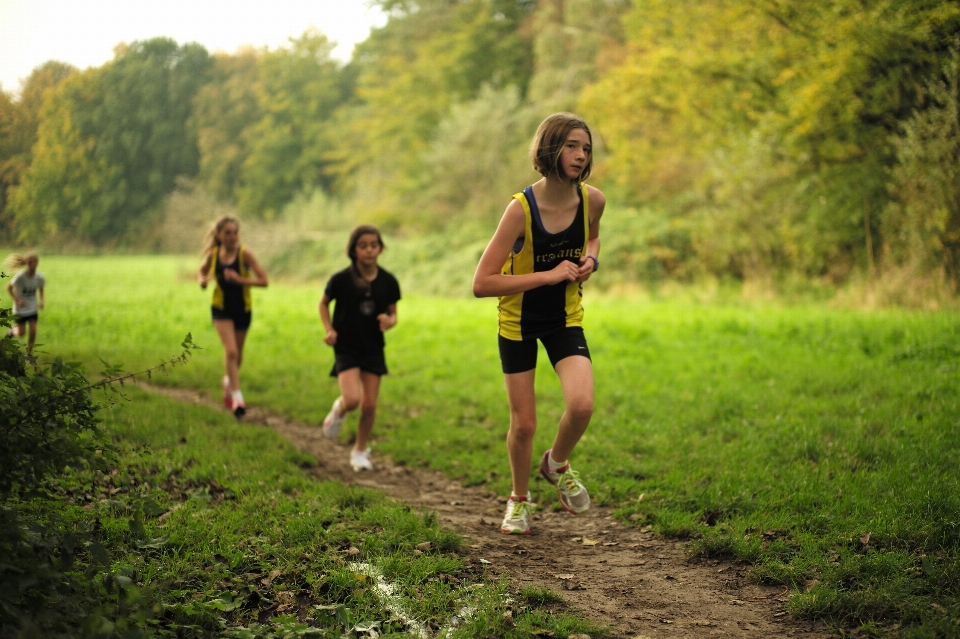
(18, 260)
(210, 240)
(547, 144)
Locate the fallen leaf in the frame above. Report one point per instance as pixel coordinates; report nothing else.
(865, 538)
(484, 561)
(353, 550)
(590, 542)
(558, 576)
(426, 545)
(612, 543)
(666, 621)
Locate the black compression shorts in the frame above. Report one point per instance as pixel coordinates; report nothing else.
(241, 319)
(518, 357)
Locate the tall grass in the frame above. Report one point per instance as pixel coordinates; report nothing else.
(821, 445)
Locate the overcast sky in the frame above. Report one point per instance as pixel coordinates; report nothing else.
(84, 32)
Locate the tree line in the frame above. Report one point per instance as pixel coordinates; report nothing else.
(751, 138)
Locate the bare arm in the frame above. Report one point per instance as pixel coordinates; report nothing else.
(488, 281)
(16, 299)
(203, 275)
(330, 336)
(42, 300)
(389, 319)
(597, 203)
(261, 276)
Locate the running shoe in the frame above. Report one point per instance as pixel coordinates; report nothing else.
(360, 460)
(333, 421)
(516, 521)
(239, 408)
(227, 396)
(573, 496)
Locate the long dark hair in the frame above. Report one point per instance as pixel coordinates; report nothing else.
(364, 229)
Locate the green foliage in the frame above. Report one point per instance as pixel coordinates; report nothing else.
(298, 90)
(225, 110)
(47, 419)
(922, 224)
(19, 122)
(112, 141)
(766, 125)
(766, 142)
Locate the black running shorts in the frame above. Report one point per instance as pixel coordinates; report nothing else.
(518, 357)
(374, 363)
(23, 319)
(241, 319)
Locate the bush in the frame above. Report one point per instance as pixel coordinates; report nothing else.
(55, 579)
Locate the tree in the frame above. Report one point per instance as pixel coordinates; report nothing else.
(226, 110)
(19, 122)
(298, 89)
(112, 142)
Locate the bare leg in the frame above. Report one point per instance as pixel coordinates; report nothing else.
(231, 353)
(31, 340)
(241, 340)
(523, 425)
(351, 390)
(368, 408)
(576, 380)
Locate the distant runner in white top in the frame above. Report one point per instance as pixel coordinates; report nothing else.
(24, 289)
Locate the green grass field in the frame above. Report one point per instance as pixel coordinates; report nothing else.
(778, 435)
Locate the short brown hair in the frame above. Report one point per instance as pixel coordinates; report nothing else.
(548, 143)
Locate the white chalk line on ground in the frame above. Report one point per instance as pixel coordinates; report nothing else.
(387, 593)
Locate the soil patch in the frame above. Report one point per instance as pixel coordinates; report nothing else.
(619, 576)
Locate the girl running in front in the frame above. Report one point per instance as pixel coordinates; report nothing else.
(366, 308)
(234, 269)
(23, 288)
(542, 252)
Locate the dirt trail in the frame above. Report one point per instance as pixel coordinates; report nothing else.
(629, 580)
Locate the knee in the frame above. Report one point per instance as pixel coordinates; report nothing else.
(522, 427)
(368, 409)
(349, 402)
(232, 355)
(580, 409)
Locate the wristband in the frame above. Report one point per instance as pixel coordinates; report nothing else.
(596, 262)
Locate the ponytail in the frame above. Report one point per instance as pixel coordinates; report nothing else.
(17, 260)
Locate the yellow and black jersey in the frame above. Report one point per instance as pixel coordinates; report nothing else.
(228, 296)
(545, 309)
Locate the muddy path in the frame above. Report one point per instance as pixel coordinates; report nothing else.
(619, 576)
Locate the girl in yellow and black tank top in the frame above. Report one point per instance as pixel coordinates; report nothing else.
(545, 309)
(544, 249)
(234, 269)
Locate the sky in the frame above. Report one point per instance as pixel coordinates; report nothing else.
(84, 32)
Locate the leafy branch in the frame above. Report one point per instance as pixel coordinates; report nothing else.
(114, 374)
